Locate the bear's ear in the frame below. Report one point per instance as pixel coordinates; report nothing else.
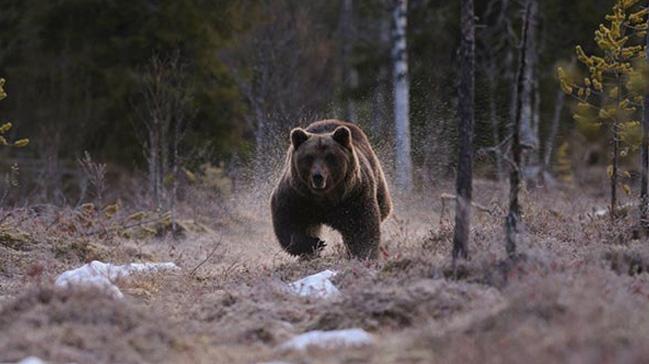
(343, 135)
(298, 136)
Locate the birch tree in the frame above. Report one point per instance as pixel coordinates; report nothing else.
(403, 159)
(465, 126)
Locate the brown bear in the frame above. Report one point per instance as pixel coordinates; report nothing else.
(331, 177)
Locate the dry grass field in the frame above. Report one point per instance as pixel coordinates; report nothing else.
(578, 291)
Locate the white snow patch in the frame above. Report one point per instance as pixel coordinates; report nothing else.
(104, 275)
(31, 360)
(317, 285)
(329, 339)
(601, 212)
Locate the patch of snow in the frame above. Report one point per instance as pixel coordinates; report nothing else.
(104, 275)
(317, 285)
(601, 212)
(31, 360)
(329, 339)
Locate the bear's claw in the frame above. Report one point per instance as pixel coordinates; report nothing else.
(320, 245)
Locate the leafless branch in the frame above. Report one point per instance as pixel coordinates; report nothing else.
(207, 258)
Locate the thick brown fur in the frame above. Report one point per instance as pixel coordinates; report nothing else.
(331, 177)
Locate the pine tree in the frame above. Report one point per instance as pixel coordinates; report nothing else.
(610, 95)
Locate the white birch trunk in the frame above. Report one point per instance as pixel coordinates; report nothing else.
(403, 161)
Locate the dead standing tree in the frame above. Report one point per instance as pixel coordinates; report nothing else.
(512, 223)
(165, 112)
(497, 43)
(552, 137)
(465, 126)
(644, 195)
(348, 72)
(527, 93)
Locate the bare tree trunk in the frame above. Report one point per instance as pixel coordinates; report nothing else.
(529, 138)
(403, 158)
(466, 112)
(379, 102)
(614, 170)
(381, 110)
(514, 94)
(349, 74)
(514, 215)
(154, 164)
(554, 130)
(498, 37)
(177, 135)
(261, 132)
(50, 175)
(615, 130)
(644, 195)
(493, 117)
(163, 173)
(535, 157)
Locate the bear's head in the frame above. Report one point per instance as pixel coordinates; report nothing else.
(323, 162)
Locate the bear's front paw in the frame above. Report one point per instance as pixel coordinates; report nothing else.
(317, 246)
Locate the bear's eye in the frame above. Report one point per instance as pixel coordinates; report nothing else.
(331, 159)
(308, 159)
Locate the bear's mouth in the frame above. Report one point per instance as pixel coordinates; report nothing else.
(318, 182)
(319, 187)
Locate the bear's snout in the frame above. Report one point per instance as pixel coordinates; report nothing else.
(318, 181)
(319, 176)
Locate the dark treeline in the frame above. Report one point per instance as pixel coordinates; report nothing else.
(78, 73)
